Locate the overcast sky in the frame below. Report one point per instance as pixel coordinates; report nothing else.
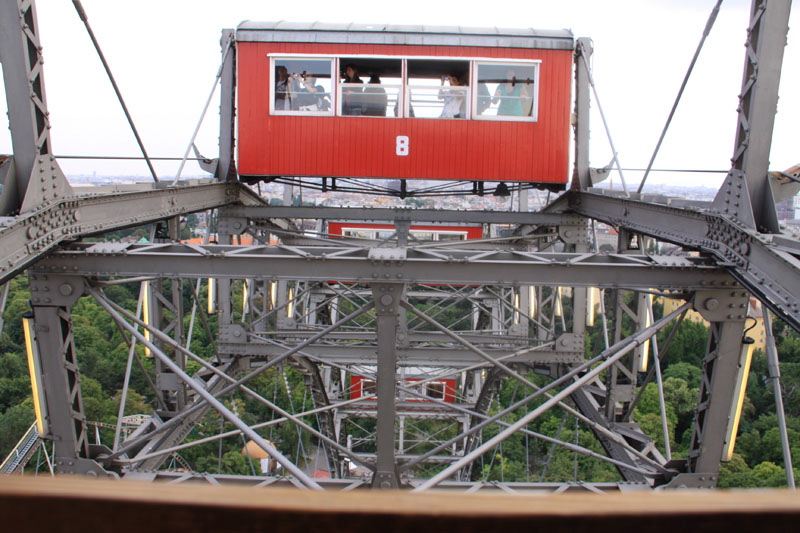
(165, 54)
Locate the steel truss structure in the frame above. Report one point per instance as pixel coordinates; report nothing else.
(403, 344)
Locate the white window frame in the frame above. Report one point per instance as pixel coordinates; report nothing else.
(400, 91)
(472, 102)
(534, 116)
(469, 61)
(296, 112)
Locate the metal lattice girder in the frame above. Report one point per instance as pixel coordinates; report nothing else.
(766, 265)
(398, 214)
(746, 195)
(60, 378)
(28, 237)
(494, 487)
(36, 178)
(383, 264)
(450, 356)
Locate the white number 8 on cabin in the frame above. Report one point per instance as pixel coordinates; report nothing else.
(401, 147)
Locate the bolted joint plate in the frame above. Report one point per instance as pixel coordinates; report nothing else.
(53, 290)
(231, 225)
(722, 305)
(574, 233)
(233, 334)
(692, 481)
(387, 254)
(569, 342)
(385, 480)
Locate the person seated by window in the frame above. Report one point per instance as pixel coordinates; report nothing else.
(283, 100)
(510, 95)
(374, 98)
(352, 87)
(454, 99)
(309, 95)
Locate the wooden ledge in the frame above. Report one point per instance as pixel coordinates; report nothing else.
(81, 504)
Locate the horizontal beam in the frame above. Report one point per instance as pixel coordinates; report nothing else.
(26, 238)
(390, 215)
(397, 265)
(768, 266)
(450, 357)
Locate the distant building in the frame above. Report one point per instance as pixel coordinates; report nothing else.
(796, 207)
(786, 209)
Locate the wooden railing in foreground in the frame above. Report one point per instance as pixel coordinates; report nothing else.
(80, 504)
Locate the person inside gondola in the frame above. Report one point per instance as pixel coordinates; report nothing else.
(510, 95)
(375, 98)
(352, 89)
(283, 101)
(454, 97)
(310, 96)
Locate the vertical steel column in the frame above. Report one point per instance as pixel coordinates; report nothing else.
(727, 312)
(226, 169)
(36, 176)
(61, 378)
(51, 298)
(775, 378)
(746, 193)
(227, 227)
(581, 178)
(387, 299)
(3, 300)
(174, 391)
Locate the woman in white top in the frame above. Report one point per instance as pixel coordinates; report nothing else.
(454, 99)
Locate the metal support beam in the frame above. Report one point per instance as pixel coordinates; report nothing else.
(226, 167)
(768, 267)
(746, 195)
(322, 263)
(387, 297)
(716, 418)
(34, 234)
(37, 179)
(774, 369)
(399, 214)
(581, 177)
(60, 375)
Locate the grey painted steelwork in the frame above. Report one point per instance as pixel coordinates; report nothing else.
(61, 380)
(387, 298)
(581, 176)
(378, 311)
(35, 178)
(373, 265)
(19, 455)
(398, 214)
(31, 235)
(746, 195)
(486, 487)
(763, 264)
(774, 370)
(226, 165)
(403, 35)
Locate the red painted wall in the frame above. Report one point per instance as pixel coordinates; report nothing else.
(354, 146)
(337, 228)
(449, 389)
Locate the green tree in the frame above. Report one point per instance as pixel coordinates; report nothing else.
(688, 345)
(13, 424)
